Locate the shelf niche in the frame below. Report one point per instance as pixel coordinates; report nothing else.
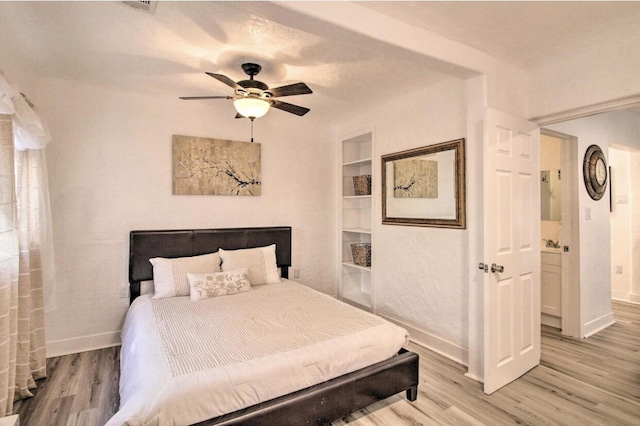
(356, 218)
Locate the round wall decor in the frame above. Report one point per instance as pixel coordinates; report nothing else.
(594, 169)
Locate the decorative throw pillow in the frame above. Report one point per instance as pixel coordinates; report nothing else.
(170, 275)
(214, 284)
(261, 262)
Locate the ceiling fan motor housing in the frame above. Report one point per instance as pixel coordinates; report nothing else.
(254, 87)
(253, 84)
(253, 90)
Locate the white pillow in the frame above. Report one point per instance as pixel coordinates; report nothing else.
(261, 262)
(214, 284)
(170, 275)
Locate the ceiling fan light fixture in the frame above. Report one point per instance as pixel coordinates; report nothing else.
(251, 107)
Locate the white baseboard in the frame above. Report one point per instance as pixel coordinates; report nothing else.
(10, 420)
(623, 296)
(434, 343)
(598, 324)
(634, 298)
(82, 344)
(551, 320)
(474, 377)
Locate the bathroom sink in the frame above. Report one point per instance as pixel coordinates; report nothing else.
(551, 249)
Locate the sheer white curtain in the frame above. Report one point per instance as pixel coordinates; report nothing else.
(26, 252)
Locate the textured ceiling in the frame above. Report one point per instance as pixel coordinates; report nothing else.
(524, 33)
(166, 53)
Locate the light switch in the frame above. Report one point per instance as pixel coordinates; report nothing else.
(587, 213)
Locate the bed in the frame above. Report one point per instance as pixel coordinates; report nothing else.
(294, 402)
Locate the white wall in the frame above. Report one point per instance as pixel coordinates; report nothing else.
(110, 173)
(620, 225)
(625, 218)
(634, 199)
(619, 128)
(421, 274)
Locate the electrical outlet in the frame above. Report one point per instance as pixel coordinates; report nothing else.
(124, 292)
(618, 269)
(622, 199)
(296, 273)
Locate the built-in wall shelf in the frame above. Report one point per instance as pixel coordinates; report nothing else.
(356, 218)
(353, 265)
(357, 230)
(363, 161)
(357, 197)
(358, 299)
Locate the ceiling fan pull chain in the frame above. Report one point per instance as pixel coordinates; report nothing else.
(252, 130)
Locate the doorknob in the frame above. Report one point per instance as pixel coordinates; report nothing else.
(497, 268)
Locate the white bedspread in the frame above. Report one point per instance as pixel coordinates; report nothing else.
(183, 362)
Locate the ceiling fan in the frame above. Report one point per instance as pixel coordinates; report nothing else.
(252, 98)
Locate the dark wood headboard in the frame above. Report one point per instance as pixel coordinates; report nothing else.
(145, 245)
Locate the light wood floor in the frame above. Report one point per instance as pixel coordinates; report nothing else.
(593, 381)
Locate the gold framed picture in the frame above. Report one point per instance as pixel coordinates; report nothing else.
(425, 186)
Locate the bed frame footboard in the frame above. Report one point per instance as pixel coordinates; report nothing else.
(332, 400)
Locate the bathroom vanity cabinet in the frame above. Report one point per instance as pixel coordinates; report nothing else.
(551, 284)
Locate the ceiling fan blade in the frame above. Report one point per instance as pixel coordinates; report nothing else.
(293, 109)
(226, 80)
(290, 90)
(190, 98)
(238, 115)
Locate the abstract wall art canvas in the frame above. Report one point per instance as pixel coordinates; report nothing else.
(206, 166)
(415, 178)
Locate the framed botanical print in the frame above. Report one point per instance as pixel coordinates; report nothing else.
(425, 186)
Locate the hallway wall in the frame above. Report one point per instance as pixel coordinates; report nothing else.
(620, 224)
(605, 130)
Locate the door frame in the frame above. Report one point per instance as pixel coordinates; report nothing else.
(570, 293)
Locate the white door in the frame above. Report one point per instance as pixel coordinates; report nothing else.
(511, 249)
